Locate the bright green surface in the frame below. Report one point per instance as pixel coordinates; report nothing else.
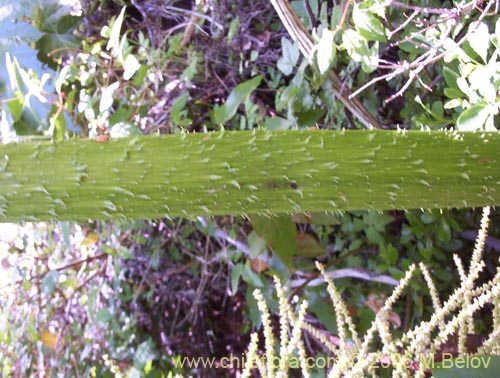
(247, 172)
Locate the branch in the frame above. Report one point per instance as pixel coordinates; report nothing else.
(299, 33)
(361, 274)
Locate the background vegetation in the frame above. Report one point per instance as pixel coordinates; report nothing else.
(101, 299)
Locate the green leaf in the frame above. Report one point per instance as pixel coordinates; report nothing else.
(145, 352)
(336, 16)
(279, 232)
(250, 277)
(309, 246)
(103, 316)
(374, 236)
(443, 231)
(256, 244)
(12, 66)
(487, 366)
(455, 95)
(480, 41)
(310, 116)
(323, 310)
(355, 44)
(114, 36)
(49, 282)
(121, 115)
(277, 123)
(131, 66)
(57, 124)
(290, 56)
(450, 76)
(325, 51)
(370, 60)
(178, 112)
(227, 111)
(52, 46)
(389, 254)
(235, 277)
(368, 25)
(473, 118)
(16, 107)
(108, 96)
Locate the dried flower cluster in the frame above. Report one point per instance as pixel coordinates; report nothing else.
(355, 356)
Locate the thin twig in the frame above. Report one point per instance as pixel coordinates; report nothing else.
(361, 274)
(299, 33)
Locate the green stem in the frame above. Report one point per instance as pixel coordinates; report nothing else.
(247, 172)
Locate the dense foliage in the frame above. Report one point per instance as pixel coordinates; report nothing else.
(108, 299)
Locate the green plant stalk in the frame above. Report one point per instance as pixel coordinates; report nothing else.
(247, 172)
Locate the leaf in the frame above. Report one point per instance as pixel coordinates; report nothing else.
(473, 118)
(487, 366)
(368, 25)
(114, 36)
(389, 253)
(256, 244)
(48, 339)
(250, 277)
(121, 115)
(450, 76)
(235, 277)
(290, 56)
(107, 96)
(310, 116)
(443, 231)
(145, 352)
(16, 107)
(103, 316)
(279, 232)
(51, 47)
(374, 236)
(355, 44)
(309, 246)
(57, 124)
(49, 282)
(370, 60)
(178, 111)
(479, 41)
(323, 310)
(131, 66)
(12, 66)
(227, 111)
(277, 123)
(90, 240)
(326, 51)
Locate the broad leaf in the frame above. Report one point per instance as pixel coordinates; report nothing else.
(107, 97)
(368, 25)
(309, 246)
(131, 66)
(480, 41)
(227, 111)
(326, 51)
(114, 34)
(473, 118)
(279, 232)
(235, 277)
(290, 56)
